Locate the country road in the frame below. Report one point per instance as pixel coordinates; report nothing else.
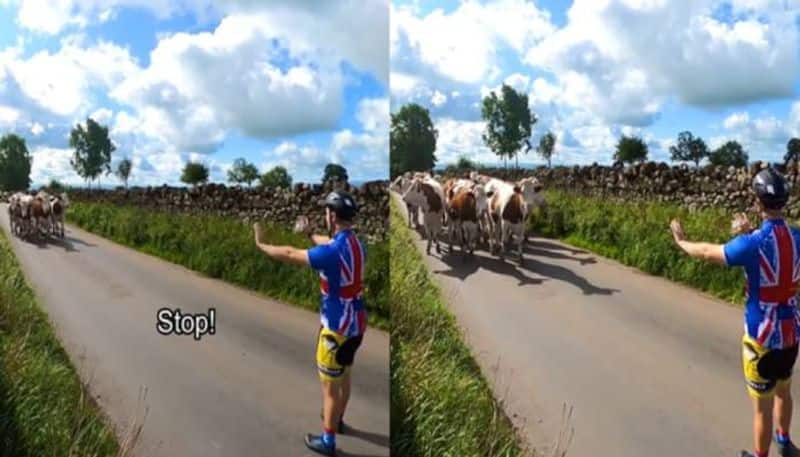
(651, 368)
(250, 390)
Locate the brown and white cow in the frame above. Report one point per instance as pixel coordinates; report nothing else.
(463, 218)
(426, 194)
(58, 207)
(509, 206)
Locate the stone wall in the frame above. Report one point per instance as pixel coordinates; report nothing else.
(710, 186)
(277, 205)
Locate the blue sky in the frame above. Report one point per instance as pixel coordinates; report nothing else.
(597, 69)
(285, 82)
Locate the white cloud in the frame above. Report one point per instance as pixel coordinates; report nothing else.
(467, 52)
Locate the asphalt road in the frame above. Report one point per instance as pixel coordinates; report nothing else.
(251, 389)
(649, 367)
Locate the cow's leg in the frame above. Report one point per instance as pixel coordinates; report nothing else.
(430, 240)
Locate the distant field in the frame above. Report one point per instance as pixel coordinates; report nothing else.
(223, 248)
(637, 234)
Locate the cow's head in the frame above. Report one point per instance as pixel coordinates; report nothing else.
(414, 195)
(531, 190)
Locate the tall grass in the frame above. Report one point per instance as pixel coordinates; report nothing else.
(43, 409)
(224, 248)
(441, 405)
(637, 234)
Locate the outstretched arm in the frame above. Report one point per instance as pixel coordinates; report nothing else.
(286, 254)
(319, 239)
(706, 251)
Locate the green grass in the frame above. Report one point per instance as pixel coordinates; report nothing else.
(441, 405)
(43, 410)
(223, 248)
(637, 234)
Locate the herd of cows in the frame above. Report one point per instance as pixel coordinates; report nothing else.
(37, 215)
(473, 209)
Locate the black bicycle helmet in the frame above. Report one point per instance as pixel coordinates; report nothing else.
(342, 204)
(771, 188)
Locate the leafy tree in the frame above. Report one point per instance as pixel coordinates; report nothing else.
(93, 149)
(276, 177)
(509, 122)
(546, 146)
(412, 140)
(334, 171)
(730, 153)
(242, 171)
(792, 151)
(194, 173)
(124, 170)
(689, 149)
(463, 164)
(15, 163)
(55, 187)
(631, 149)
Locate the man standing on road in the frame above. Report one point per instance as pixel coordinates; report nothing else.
(770, 256)
(340, 261)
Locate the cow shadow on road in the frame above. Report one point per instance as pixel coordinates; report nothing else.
(462, 266)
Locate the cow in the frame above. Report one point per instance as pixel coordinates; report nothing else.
(463, 215)
(15, 213)
(401, 185)
(40, 212)
(26, 225)
(426, 194)
(58, 205)
(508, 209)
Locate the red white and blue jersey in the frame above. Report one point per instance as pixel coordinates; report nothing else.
(340, 264)
(771, 259)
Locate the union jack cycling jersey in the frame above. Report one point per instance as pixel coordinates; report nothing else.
(340, 264)
(770, 257)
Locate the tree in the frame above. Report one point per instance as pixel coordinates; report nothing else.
(124, 170)
(276, 177)
(463, 164)
(630, 149)
(334, 171)
(93, 149)
(412, 140)
(508, 122)
(242, 171)
(689, 149)
(55, 187)
(792, 151)
(15, 163)
(729, 154)
(194, 173)
(546, 145)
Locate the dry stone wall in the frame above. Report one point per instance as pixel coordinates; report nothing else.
(281, 206)
(695, 188)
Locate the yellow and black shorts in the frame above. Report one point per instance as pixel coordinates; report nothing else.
(765, 369)
(335, 354)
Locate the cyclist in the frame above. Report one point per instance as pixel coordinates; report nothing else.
(770, 257)
(340, 261)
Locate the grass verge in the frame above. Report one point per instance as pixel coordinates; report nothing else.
(223, 248)
(43, 409)
(637, 234)
(441, 405)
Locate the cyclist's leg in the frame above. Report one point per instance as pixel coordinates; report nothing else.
(345, 392)
(783, 406)
(762, 424)
(331, 399)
